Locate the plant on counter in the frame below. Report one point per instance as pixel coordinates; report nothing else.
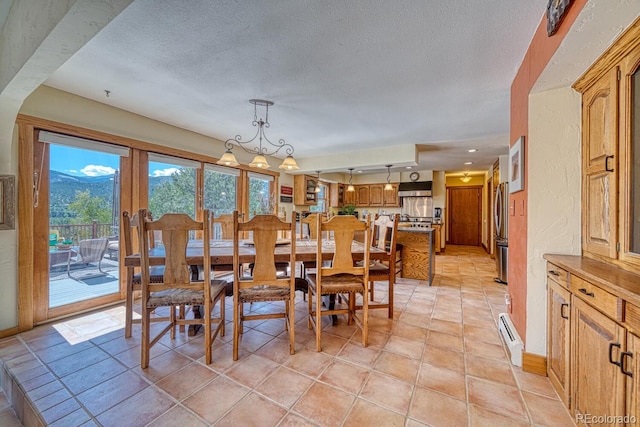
(349, 210)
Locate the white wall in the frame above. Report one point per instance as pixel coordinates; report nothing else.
(554, 183)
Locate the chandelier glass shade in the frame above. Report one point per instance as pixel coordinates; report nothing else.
(388, 185)
(350, 187)
(317, 189)
(262, 150)
(466, 178)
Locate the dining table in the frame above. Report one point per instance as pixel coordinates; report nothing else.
(221, 252)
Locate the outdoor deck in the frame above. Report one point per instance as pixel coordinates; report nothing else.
(86, 282)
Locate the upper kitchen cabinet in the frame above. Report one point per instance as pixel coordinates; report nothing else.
(362, 195)
(304, 187)
(610, 142)
(337, 193)
(376, 194)
(350, 197)
(390, 197)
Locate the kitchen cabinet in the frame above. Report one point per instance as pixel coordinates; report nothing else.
(337, 193)
(390, 197)
(610, 146)
(594, 318)
(599, 166)
(597, 344)
(558, 331)
(304, 190)
(376, 194)
(350, 197)
(362, 195)
(437, 237)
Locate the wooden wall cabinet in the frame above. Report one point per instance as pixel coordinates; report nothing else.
(609, 149)
(304, 190)
(362, 195)
(391, 198)
(376, 194)
(336, 195)
(350, 197)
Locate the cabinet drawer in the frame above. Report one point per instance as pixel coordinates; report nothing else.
(632, 318)
(607, 303)
(557, 274)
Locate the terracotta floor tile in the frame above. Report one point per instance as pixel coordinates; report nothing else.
(293, 420)
(163, 366)
(444, 358)
(210, 404)
(388, 392)
(285, 386)
(324, 405)
(309, 362)
(184, 382)
(547, 412)
(366, 413)
(484, 349)
(482, 334)
(451, 328)
(433, 408)
(84, 379)
(535, 383)
(345, 376)
(331, 344)
(111, 392)
(138, 410)
(401, 367)
(482, 417)
(490, 369)
(410, 332)
(356, 353)
(439, 339)
(253, 410)
(405, 347)
(177, 416)
(444, 380)
(496, 397)
(252, 370)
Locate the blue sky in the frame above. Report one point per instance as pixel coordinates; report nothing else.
(79, 162)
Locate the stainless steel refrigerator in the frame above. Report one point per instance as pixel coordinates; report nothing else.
(501, 222)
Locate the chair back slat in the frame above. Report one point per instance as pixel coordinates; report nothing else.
(343, 228)
(225, 222)
(385, 229)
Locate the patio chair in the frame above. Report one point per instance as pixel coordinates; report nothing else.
(89, 251)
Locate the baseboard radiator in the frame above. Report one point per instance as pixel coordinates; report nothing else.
(511, 338)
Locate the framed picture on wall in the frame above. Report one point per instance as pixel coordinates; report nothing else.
(516, 166)
(7, 213)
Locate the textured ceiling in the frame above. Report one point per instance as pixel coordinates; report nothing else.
(344, 76)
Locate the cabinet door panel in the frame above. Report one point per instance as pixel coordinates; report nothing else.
(558, 342)
(600, 166)
(376, 197)
(598, 386)
(632, 364)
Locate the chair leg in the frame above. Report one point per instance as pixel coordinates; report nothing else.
(365, 319)
(318, 319)
(146, 319)
(236, 326)
(128, 310)
(371, 288)
(207, 330)
(292, 322)
(391, 284)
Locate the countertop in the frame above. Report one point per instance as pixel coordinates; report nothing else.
(611, 278)
(416, 229)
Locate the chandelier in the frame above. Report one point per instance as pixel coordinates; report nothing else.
(466, 178)
(351, 187)
(259, 161)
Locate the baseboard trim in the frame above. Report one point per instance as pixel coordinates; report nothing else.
(534, 363)
(486, 249)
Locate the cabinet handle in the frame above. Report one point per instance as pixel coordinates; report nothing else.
(606, 164)
(562, 306)
(555, 273)
(615, 362)
(622, 356)
(584, 291)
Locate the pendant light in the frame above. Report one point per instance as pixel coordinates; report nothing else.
(388, 186)
(317, 189)
(351, 187)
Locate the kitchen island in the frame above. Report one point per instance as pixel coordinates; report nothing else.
(418, 253)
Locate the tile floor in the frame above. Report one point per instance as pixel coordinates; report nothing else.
(439, 362)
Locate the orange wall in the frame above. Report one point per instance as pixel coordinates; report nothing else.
(536, 59)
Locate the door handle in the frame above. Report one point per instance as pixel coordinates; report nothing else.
(554, 273)
(606, 164)
(615, 362)
(622, 356)
(562, 306)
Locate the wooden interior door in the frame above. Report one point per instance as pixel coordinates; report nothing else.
(465, 215)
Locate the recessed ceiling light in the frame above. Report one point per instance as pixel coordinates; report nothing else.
(473, 150)
(359, 171)
(468, 163)
(409, 167)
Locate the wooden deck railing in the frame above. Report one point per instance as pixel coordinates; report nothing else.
(77, 232)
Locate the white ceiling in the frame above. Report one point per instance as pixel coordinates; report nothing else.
(344, 76)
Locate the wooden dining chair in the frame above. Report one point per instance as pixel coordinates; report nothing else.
(342, 277)
(383, 237)
(178, 287)
(264, 285)
(133, 279)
